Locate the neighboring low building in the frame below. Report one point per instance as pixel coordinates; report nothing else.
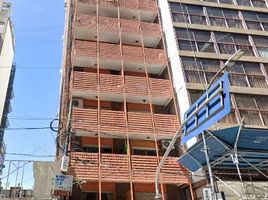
(44, 173)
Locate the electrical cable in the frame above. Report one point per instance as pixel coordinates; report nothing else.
(30, 155)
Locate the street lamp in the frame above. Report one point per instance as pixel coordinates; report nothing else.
(230, 62)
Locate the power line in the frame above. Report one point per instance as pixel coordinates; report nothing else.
(27, 128)
(31, 67)
(31, 155)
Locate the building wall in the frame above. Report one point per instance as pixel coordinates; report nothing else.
(44, 173)
(201, 35)
(123, 99)
(6, 60)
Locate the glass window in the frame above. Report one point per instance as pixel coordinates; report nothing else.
(179, 12)
(244, 2)
(252, 69)
(190, 63)
(216, 17)
(262, 45)
(191, 40)
(210, 65)
(242, 42)
(257, 81)
(177, 7)
(252, 20)
(226, 1)
(225, 43)
(178, 17)
(251, 117)
(238, 80)
(259, 3)
(245, 102)
(232, 18)
(236, 68)
(184, 34)
(196, 14)
(262, 102)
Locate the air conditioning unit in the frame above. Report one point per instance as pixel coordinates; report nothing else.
(78, 103)
(165, 144)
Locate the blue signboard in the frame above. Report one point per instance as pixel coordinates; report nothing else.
(212, 106)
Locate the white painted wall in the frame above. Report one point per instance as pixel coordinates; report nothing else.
(173, 56)
(6, 60)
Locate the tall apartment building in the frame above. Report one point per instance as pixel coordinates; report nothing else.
(117, 98)
(201, 36)
(7, 72)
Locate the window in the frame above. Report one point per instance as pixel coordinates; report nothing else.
(242, 42)
(245, 74)
(187, 13)
(224, 17)
(253, 109)
(230, 43)
(226, 1)
(196, 14)
(179, 12)
(256, 21)
(232, 18)
(225, 43)
(192, 40)
(262, 45)
(252, 3)
(259, 3)
(244, 2)
(199, 70)
(216, 17)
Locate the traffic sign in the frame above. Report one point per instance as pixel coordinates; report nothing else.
(212, 106)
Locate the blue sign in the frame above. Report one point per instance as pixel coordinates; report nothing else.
(212, 106)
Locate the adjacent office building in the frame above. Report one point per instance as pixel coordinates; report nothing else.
(201, 36)
(7, 71)
(117, 98)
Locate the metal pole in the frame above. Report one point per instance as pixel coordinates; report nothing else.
(8, 173)
(209, 168)
(17, 173)
(22, 177)
(172, 142)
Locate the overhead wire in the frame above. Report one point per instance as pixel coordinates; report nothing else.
(31, 155)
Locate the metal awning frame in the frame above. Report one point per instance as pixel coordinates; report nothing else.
(234, 154)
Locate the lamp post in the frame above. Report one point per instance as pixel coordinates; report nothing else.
(230, 62)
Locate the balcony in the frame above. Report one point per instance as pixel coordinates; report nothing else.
(132, 31)
(116, 168)
(146, 10)
(110, 57)
(113, 124)
(111, 88)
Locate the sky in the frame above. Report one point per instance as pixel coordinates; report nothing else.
(38, 27)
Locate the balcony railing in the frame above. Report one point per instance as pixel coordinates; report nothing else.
(113, 84)
(112, 52)
(113, 123)
(145, 6)
(117, 168)
(109, 30)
